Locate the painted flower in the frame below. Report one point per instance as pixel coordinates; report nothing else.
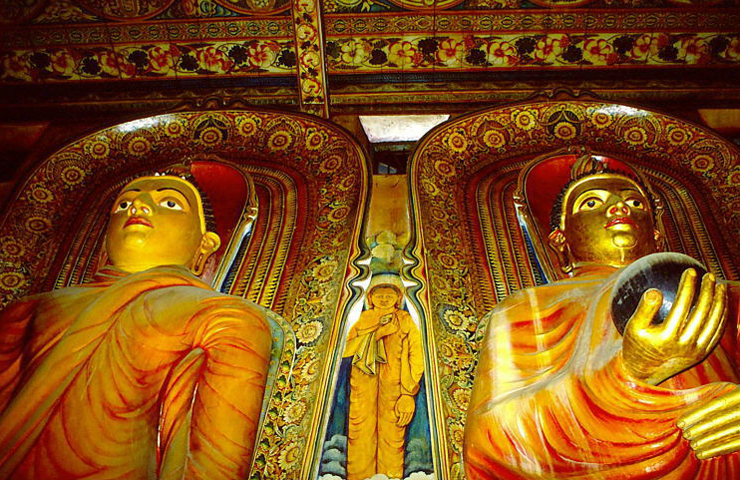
(41, 194)
(678, 136)
(601, 120)
(444, 168)
(338, 213)
(12, 281)
(160, 60)
(290, 457)
(331, 163)
(734, 177)
(456, 436)
(494, 139)
(599, 52)
(524, 119)
(108, 63)
(310, 331)
(355, 52)
(702, 163)
(280, 140)
(72, 175)
(175, 128)
(403, 53)
(502, 54)
(462, 398)
(62, 63)
(457, 142)
(211, 136)
(733, 49)
(447, 261)
(324, 271)
(565, 130)
(139, 146)
(635, 136)
(11, 248)
(642, 47)
(247, 126)
(315, 139)
(37, 224)
(549, 47)
(262, 54)
(16, 67)
(310, 369)
(97, 149)
(449, 52)
(693, 50)
(347, 183)
(294, 413)
(456, 320)
(214, 60)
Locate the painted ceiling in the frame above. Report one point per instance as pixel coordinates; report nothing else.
(305, 51)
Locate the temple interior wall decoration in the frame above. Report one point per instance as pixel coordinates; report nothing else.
(374, 261)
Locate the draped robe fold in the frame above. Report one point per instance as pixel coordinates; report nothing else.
(382, 370)
(148, 375)
(552, 398)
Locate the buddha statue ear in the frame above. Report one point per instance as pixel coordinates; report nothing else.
(559, 243)
(209, 243)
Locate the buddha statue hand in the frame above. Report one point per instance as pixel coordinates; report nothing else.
(713, 428)
(405, 406)
(654, 353)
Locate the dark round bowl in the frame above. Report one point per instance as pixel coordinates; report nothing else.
(658, 270)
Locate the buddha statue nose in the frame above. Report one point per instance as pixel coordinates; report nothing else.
(619, 207)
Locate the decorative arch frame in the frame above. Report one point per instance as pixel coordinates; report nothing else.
(470, 241)
(312, 181)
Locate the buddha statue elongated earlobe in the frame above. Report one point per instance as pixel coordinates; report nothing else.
(209, 243)
(559, 244)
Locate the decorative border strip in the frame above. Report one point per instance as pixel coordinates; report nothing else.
(313, 93)
(511, 51)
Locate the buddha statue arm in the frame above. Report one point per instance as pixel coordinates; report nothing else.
(213, 397)
(551, 401)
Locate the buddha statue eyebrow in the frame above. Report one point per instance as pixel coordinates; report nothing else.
(178, 191)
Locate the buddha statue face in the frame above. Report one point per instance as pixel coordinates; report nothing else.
(159, 221)
(606, 219)
(384, 297)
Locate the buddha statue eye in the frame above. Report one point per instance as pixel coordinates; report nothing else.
(122, 206)
(171, 204)
(590, 203)
(635, 203)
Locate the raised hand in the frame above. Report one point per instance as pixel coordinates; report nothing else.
(654, 353)
(713, 428)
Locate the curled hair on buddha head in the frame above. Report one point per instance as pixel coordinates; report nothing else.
(183, 171)
(587, 166)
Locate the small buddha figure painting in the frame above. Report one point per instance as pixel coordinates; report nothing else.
(379, 423)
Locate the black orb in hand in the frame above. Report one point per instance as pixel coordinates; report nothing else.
(658, 270)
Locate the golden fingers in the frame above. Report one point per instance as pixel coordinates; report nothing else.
(714, 428)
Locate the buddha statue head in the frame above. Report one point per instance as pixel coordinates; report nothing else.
(159, 220)
(602, 216)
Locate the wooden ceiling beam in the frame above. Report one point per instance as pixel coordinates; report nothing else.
(313, 89)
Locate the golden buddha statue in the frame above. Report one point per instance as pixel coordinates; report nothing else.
(560, 394)
(146, 372)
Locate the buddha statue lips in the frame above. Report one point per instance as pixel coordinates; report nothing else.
(559, 394)
(146, 372)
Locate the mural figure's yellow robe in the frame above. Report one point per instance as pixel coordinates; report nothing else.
(387, 362)
(148, 375)
(553, 400)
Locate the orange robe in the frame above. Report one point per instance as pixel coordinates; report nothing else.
(552, 398)
(148, 375)
(383, 368)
